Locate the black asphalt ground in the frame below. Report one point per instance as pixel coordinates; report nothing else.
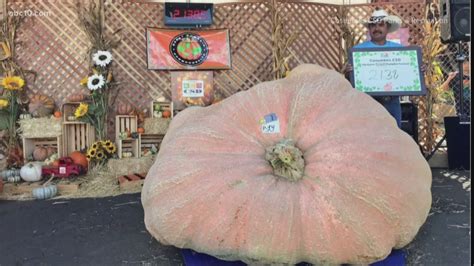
(110, 231)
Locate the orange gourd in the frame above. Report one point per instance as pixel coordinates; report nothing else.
(57, 114)
(140, 130)
(79, 158)
(338, 183)
(166, 114)
(124, 109)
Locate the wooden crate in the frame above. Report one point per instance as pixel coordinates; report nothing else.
(128, 145)
(67, 110)
(77, 136)
(29, 145)
(164, 106)
(124, 122)
(147, 140)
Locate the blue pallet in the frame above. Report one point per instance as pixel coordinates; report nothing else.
(192, 258)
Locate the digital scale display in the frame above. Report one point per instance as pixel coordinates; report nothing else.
(187, 14)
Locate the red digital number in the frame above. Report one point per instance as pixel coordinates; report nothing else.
(176, 13)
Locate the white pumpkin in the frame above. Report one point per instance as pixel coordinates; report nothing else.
(31, 172)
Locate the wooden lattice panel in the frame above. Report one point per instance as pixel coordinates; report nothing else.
(55, 47)
(52, 45)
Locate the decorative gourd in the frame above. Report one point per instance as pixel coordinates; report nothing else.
(14, 179)
(25, 116)
(9, 173)
(45, 192)
(77, 97)
(337, 182)
(166, 114)
(31, 172)
(57, 114)
(40, 153)
(140, 130)
(79, 158)
(41, 105)
(124, 109)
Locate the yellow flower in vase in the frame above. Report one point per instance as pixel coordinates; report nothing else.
(81, 110)
(13, 83)
(3, 103)
(84, 81)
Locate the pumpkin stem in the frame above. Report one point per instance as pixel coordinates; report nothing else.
(286, 159)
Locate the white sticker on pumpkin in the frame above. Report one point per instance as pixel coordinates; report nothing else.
(270, 124)
(193, 88)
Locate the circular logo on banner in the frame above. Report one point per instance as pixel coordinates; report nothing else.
(189, 49)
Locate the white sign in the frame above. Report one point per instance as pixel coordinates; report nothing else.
(193, 88)
(270, 124)
(388, 71)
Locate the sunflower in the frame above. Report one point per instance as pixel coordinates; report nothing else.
(102, 58)
(13, 83)
(96, 145)
(111, 150)
(95, 82)
(107, 143)
(83, 81)
(3, 103)
(91, 153)
(81, 110)
(100, 155)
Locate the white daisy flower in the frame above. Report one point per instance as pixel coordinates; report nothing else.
(102, 58)
(95, 82)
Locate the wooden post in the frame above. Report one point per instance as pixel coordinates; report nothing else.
(3, 9)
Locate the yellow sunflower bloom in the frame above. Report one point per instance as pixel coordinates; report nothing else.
(3, 103)
(111, 150)
(13, 83)
(81, 110)
(100, 155)
(84, 81)
(91, 153)
(108, 143)
(95, 146)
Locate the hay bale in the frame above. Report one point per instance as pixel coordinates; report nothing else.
(35, 127)
(157, 125)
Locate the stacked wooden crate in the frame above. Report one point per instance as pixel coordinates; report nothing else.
(77, 135)
(128, 124)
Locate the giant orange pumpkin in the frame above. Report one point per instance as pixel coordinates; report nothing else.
(340, 183)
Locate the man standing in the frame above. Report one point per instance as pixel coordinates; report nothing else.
(379, 25)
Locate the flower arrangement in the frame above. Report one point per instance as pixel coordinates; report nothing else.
(12, 90)
(101, 151)
(99, 82)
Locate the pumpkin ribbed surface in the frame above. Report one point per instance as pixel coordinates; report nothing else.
(364, 186)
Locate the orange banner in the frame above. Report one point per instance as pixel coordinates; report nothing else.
(169, 49)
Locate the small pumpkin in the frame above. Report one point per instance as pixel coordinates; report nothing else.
(140, 130)
(55, 163)
(77, 97)
(45, 192)
(9, 173)
(124, 109)
(31, 172)
(166, 114)
(14, 179)
(40, 153)
(25, 116)
(79, 158)
(41, 105)
(57, 114)
(338, 183)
